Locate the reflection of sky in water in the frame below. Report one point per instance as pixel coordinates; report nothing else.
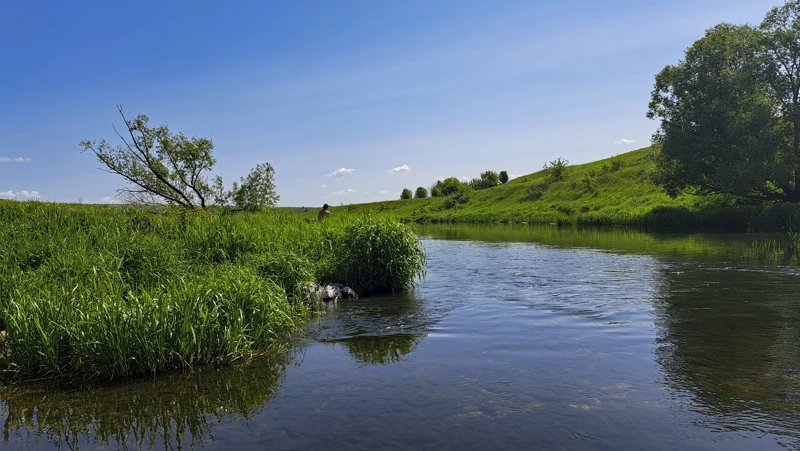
(531, 346)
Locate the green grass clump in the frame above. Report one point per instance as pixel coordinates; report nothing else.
(613, 191)
(98, 292)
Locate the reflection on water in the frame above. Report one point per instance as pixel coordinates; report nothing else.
(520, 338)
(168, 412)
(728, 338)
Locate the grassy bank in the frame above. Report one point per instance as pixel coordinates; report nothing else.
(613, 191)
(101, 293)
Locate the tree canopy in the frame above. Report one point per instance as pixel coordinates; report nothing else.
(730, 112)
(162, 167)
(406, 194)
(503, 177)
(421, 193)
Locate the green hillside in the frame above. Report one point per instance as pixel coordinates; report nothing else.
(613, 191)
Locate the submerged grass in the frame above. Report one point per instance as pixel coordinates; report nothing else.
(95, 292)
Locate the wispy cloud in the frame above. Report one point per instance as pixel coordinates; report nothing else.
(323, 185)
(384, 192)
(341, 172)
(403, 168)
(344, 192)
(464, 179)
(14, 160)
(19, 195)
(625, 141)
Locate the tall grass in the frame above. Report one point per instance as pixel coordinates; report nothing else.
(111, 292)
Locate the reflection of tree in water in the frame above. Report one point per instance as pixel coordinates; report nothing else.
(171, 411)
(381, 350)
(729, 338)
(380, 330)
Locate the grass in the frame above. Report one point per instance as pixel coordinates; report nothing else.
(91, 292)
(613, 191)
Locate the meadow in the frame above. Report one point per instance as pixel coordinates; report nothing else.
(613, 191)
(110, 292)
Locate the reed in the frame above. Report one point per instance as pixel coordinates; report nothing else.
(98, 292)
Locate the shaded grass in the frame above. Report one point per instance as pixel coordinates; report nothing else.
(613, 191)
(102, 293)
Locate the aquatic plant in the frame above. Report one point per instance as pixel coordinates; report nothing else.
(107, 292)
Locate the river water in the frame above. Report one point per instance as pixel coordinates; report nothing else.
(518, 338)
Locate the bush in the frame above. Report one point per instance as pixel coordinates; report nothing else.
(589, 182)
(420, 193)
(488, 179)
(556, 170)
(450, 186)
(406, 194)
(536, 191)
(503, 177)
(377, 254)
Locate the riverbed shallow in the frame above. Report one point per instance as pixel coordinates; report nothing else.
(518, 338)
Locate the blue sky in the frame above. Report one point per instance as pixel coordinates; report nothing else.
(443, 88)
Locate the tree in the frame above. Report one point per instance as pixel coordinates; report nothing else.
(167, 168)
(421, 193)
(730, 112)
(256, 190)
(436, 191)
(406, 194)
(503, 177)
(449, 186)
(488, 179)
(556, 170)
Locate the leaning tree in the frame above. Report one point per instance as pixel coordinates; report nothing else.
(161, 167)
(730, 112)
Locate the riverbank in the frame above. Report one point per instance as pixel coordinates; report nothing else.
(91, 292)
(612, 191)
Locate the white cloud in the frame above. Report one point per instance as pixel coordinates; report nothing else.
(384, 192)
(323, 185)
(14, 160)
(341, 172)
(403, 168)
(351, 190)
(625, 141)
(19, 195)
(464, 179)
(344, 192)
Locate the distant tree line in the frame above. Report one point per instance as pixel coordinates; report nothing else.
(452, 186)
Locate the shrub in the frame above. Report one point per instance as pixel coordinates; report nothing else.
(406, 194)
(589, 182)
(536, 191)
(488, 179)
(503, 177)
(556, 170)
(420, 193)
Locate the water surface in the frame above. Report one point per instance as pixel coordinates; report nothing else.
(519, 338)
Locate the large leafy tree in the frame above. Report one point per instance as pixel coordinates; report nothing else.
(162, 167)
(730, 112)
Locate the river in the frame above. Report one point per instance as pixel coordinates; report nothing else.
(518, 338)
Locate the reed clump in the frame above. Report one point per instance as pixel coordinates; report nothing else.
(105, 292)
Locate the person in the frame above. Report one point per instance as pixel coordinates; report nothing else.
(324, 213)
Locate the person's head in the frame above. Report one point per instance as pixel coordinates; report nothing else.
(325, 207)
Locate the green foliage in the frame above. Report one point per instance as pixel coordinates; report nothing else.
(503, 177)
(420, 193)
(257, 190)
(450, 186)
(106, 292)
(535, 191)
(406, 194)
(627, 196)
(160, 167)
(436, 191)
(459, 199)
(488, 179)
(556, 170)
(730, 113)
(376, 254)
(589, 182)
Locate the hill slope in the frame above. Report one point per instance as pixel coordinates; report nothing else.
(613, 191)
